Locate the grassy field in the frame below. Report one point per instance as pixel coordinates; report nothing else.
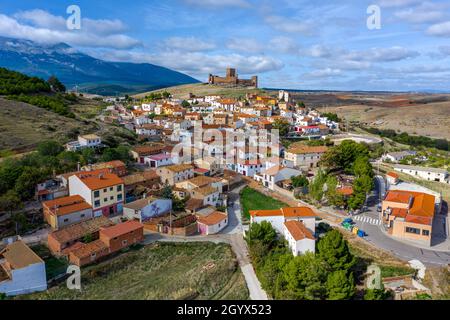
(201, 89)
(53, 265)
(199, 270)
(254, 200)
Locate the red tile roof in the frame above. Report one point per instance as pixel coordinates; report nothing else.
(121, 229)
(213, 218)
(286, 212)
(298, 230)
(66, 205)
(99, 179)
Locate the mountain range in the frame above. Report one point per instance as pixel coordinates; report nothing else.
(86, 73)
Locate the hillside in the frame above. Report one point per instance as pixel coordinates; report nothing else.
(75, 68)
(202, 89)
(23, 126)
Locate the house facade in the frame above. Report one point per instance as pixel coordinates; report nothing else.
(144, 209)
(65, 211)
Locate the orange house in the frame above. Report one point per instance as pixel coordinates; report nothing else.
(409, 215)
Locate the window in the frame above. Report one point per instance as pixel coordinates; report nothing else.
(105, 190)
(96, 194)
(111, 198)
(119, 197)
(97, 203)
(111, 189)
(412, 230)
(124, 242)
(426, 232)
(105, 199)
(66, 220)
(82, 215)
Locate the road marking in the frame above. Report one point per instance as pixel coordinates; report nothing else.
(369, 220)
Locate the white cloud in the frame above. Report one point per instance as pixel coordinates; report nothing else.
(197, 64)
(289, 25)
(424, 13)
(324, 73)
(284, 45)
(391, 54)
(187, 43)
(219, 3)
(42, 27)
(319, 51)
(397, 3)
(245, 45)
(440, 29)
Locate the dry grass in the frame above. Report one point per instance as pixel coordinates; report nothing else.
(199, 270)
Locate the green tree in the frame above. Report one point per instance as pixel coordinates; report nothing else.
(56, 85)
(49, 148)
(362, 167)
(263, 232)
(282, 126)
(334, 250)
(342, 156)
(10, 201)
(26, 183)
(299, 181)
(376, 294)
(166, 192)
(316, 186)
(166, 95)
(185, 104)
(305, 278)
(88, 155)
(340, 285)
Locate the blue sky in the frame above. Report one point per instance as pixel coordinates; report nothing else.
(288, 43)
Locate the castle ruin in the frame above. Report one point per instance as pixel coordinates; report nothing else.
(232, 80)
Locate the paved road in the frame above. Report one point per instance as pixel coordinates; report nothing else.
(369, 221)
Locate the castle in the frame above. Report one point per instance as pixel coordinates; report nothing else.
(231, 79)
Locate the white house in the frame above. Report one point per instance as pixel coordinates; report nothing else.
(21, 270)
(147, 208)
(212, 223)
(85, 141)
(278, 217)
(425, 173)
(158, 160)
(269, 177)
(397, 156)
(249, 168)
(304, 156)
(298, 237)
(148, 107)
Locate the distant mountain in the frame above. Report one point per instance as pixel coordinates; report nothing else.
(92, 75)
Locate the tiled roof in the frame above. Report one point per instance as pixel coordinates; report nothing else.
(99, 179)
(346, 190)
(81, 229)
(213, 218)
(399, 196)
(19, 255)
(66, 205)
(140, 177)
(286, 212)
(179, 167)
(121, 229)
(201, 181)
(298, 230)
(86, 250)
(392, 174)
(307, 149)
(205, 191)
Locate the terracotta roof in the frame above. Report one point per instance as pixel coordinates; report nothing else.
(205, 191)
(179, 167)
(304, 149)
(298, 230)
(399, 196)
(140, 177)
(86, 250)
(81, 229)
(393, 175)
(139, 204)
(212, 219)
(110, 164)
(346, 190)
(193, 204)
(201, 181)
(399, 212)
(286, 212)
(19, 255)
(99, 179)
(66, 205)
(121, 229)
(148, 150)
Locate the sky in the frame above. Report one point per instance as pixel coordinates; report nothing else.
(293, 44)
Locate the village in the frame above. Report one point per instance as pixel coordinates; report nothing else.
(194, 160)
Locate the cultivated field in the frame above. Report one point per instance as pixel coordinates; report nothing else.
(418, 114)
(199, 270)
